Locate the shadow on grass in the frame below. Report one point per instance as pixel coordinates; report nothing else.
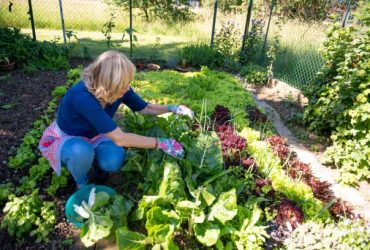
(150, 51)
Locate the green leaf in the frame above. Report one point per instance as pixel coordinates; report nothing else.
(101, 200)
(205, 153)
(161, 225)
(148, 202)
(207, 233)
(120, 208)
(172, 185)
(157, 215)
(129, 240)
(188, 209)
(96, 228)
(225, 208)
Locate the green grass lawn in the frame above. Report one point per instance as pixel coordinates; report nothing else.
(297, 62)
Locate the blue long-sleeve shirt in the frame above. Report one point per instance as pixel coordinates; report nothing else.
(81, 114)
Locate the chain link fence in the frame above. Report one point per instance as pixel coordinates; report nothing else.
(98, 25)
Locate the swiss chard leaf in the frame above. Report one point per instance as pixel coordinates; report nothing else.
(148, 202)
(205, 154)
(172, 185)
(129, 240)
(207, 233)
(188, 209)
(96, 228)
(225, 208)
(161, 224)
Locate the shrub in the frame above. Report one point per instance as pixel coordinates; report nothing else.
(228, 40)
(22, 49)
(199, 55)
(254, 74)
(340, 104)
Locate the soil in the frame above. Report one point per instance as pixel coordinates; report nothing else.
(23, 98)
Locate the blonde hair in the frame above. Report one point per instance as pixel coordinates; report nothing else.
(108, 76)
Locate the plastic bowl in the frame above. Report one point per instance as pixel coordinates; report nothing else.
(77, 198)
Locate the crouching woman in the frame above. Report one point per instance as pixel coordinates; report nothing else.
(84, 130)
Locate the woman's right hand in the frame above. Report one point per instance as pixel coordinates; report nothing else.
(171, 147)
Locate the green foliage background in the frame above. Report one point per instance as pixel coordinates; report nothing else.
(340, 103)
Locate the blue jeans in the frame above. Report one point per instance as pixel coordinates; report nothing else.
(78, 155)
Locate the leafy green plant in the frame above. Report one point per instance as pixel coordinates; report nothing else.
(6, 189)
(71, 34)
(29, 214)
(254, 74)
(101, 216)
(58, 182)
(24, 51)
(191, 89)
(253, 42)
(340, 104)
(168, 10)
(108, 28)
(345, 234)
(227, 40)
(269, 165)
(199, 55)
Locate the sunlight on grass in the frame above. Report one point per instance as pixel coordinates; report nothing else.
(297, 62)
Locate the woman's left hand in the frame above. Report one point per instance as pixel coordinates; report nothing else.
(181, 110)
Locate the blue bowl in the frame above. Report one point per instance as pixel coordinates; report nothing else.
(82, 195)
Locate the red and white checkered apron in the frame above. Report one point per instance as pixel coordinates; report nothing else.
(53, 139)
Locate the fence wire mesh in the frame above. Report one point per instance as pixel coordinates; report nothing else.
(297, 62)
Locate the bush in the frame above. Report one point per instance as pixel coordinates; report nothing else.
(199, 55)
(24, 51)
(340, 104)
(228, 40)
(254, 74)
(304, 10)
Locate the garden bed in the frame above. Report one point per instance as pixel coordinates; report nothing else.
(256, 198)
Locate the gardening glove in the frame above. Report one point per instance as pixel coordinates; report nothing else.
(180, 110)
(171, 147)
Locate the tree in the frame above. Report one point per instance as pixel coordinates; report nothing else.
(167, 10)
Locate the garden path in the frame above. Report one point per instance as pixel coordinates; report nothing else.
(358, 197)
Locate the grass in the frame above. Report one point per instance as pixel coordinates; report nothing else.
(297, 61)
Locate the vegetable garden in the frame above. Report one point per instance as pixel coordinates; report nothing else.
(239, 185)
(236, 188)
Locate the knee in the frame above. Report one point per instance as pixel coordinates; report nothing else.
(112, 161)
(79, 149)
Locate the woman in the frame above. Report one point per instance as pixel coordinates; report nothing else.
(84, 129)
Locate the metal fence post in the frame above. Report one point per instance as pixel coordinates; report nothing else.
(268, 26)
(131, 29)
(214, 23)
(30, 12)
(246, 30)
(62, 21)
(346, 15)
